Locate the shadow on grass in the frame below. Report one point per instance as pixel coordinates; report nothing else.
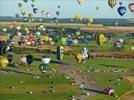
(109, 65)
(53, 61)
(96, 91)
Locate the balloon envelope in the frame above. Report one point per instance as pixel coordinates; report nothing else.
(131, 7)
(112, 3)
(3, 62)
(122, 10)
(35, 10)
(29, 59)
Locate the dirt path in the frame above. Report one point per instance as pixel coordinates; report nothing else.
(89, 85)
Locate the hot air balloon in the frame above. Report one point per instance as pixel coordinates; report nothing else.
(59, 6)
(46, 60)
(63, 41)
(23, 12)
(3, 62)
(10, 58)
(23, 60)
(33, 1)
(30, 59)
(48, 14)
(57, 13)
(131, 7)
(79, 58)
(45, 38)
(122, 10)
(32, 5)
(20, 5)
(17, 15)
(35, 10)
(77, 33)
(90, 20)
(55, 19)
(112, 3)
(25, 1)
(80, 2)
(100, 38)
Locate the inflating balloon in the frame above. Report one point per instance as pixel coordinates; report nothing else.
(131, 7)
(100, 39)
(30, 59)
(122, 10)
(112, 3)
(3, 62)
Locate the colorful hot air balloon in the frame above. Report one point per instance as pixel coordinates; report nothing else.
(3, 62)
(122, 10)
(131, 7)
(100, 38)
(112, 3)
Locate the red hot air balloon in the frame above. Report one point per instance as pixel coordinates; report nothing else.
(131, 7)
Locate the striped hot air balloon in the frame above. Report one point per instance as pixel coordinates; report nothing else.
(112, 3)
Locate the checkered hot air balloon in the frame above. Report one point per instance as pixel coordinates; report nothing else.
(112, 3)
(131, 7)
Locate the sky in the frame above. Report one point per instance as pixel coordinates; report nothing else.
(69, 8)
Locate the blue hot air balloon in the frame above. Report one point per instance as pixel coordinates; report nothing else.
(122, 10)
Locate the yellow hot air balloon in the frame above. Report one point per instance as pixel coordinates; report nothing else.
(78, 18)
(90, 20)
(45, 38)
(100, 38)
(3, 62)
(79, 58)
(77, 33)
(112, 3)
